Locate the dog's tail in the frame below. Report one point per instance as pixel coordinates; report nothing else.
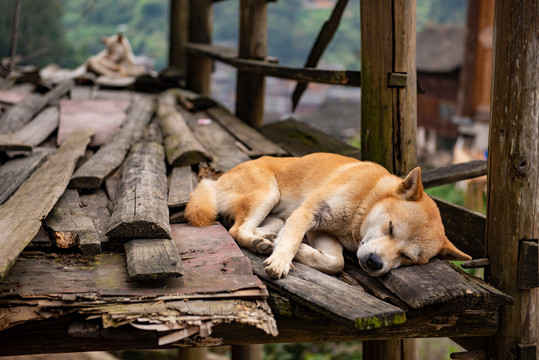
(201, 210)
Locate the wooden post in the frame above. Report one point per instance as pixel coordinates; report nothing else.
(513, 175)
(252, 45)
(388, 110)
(247, 352)
(179, 29)
(199, 68)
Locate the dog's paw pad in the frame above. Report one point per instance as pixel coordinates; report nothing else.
(265, 247)
(276, 268)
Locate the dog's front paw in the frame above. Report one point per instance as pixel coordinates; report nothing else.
(277, 267)
(261, 246)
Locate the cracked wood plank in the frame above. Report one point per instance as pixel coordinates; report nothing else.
(96, 207)
(140, 208)
(149, 259)
(69, 220)
(39, 129)
(22, 213)
(181, 186)
(92, 173)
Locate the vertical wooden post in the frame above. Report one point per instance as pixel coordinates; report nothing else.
(247, 352)
(388, 110)
(252, 45)
(199, 68)
(179, 28)
(513, 174)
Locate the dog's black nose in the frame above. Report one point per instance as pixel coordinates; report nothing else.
(374, 262)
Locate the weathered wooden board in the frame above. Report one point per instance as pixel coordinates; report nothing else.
(8, 143)
(140, 207)
(222, 146)
(96, 207)
(182, 148)
(528, 264)
(39, 129)
(333, 298)
(22, 213)
(11, 97)
(22, 112)
(150, 259)
(257, 144)
(103, 116)
(68, 219)
(16, 171)
(110, 156)
(301, 139)
(453, 173)
(181, 186)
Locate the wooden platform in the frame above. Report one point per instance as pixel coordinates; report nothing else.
(160, 283)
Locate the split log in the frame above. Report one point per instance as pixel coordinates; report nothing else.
(110, 156)
(182, 148)
(8, 143)
(257, 144)
(181, 186)
(96, 207)
(140, 209)
(39, 129)
(15, 172)
(21, 215)
(25, 110)
(69, 221)
(149, 259)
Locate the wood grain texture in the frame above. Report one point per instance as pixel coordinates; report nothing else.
(199, 68)
(181, 186)
(69, 218)
(453, 173)
(96, 206)
(16, 171)
(21, 215)
(8, 143)
(181, 146)
(150, 259)
(92, 173)
(39, 128)
(528, 265)
(140, 207)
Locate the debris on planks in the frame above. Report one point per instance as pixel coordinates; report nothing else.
(71, 226)
(109, 157)
(317, 290)
(181, 186)
(257, 144)
(16, 171)
(24, 111)
(104, 116)
(223, 147)
(8, 143)
(22, 213)
(140, 207)
(182, 147)
(150, 259)
(38, 130)
(96, 206)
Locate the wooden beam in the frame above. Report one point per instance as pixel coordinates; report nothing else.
(22, 213)
(140, 208)
(39, 129)
(179, 29)
(453, 173)
(151, 259)
(199, 68)
(8, 143)
(528, 265)
(513, 177)
(229, 56)
(181, 186)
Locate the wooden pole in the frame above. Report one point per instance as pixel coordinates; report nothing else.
(15, 32)
(388, 110)
(247, 352)
(513, 174)
(252, 45)
(179, 28)
(199, 68)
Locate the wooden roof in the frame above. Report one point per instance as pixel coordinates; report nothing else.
(95, 241)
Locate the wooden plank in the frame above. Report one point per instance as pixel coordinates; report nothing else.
(16, 171)
(92, 173)
(96, 208)
(528, 264)
(8, 143)
(322, 41)
(453, 173)
(68, 219)
(257, 144)
(317, 291)
(182, 147)
(222, 146)
(181, 186)
(24, 111)
(22, 213)
(105, 117)
(140, 208)
(11, 97)
(229, 56)
(40, 128)
(300, 139)
(150, 259)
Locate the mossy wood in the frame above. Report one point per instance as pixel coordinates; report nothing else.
(151, 259)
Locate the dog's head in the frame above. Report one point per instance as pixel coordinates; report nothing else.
(404, 228)
(118, 48)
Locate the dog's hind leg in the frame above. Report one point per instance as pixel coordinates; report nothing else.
(322, 252)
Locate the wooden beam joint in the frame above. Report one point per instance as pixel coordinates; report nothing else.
(397, 80)
(528, 264)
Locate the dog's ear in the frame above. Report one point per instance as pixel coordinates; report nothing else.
(450, 252)
(411, 188)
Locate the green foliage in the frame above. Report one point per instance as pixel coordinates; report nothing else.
(448, 193)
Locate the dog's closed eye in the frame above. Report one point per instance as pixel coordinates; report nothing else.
(391, 229)
(406, 256)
